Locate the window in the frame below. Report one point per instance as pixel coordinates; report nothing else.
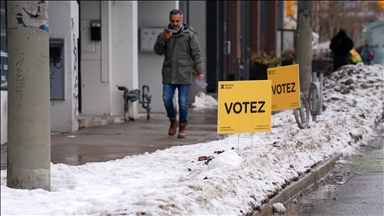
(3, 45)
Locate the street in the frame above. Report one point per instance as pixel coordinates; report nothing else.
(354, 187)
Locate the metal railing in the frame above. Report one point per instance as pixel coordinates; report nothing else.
(313, 105)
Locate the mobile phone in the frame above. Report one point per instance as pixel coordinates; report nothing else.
(171, 30)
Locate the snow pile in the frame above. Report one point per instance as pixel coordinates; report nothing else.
(232, 176)
(321, 50)
(203, 100)
(324, 46)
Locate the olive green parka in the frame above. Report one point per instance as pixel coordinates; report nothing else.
(179, 52)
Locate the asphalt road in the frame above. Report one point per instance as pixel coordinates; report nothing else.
(353, 188)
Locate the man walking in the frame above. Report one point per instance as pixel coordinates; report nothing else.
(180, 48)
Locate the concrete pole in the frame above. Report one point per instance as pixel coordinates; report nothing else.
(29, 141)
(304, 44)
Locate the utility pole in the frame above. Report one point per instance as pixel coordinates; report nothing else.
(304, 44)
(29, 140)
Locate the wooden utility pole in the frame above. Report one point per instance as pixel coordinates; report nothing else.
(29, 140)
(304, 44)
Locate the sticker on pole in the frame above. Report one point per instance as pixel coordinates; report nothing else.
(285, 87)
(244, 106)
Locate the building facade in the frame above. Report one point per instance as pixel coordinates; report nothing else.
(96, 46)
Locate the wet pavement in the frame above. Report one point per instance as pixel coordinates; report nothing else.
(363, 178)
(115, 141)
(352, 188)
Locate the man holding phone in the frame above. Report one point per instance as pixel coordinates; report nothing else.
(180, 48)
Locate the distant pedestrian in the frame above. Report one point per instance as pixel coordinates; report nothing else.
(181, 49)
(367, 53)
(355, 56)
(340, 45)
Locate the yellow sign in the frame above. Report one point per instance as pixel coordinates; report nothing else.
(380, 4)
(244, 106)
(285, 87)
(289, 11)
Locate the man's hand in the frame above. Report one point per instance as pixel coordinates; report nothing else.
(167, 34)
(200, 76)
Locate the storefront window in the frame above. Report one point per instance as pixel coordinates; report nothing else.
(3, 45)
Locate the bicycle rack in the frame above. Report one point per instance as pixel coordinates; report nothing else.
(314, 104)
(303, 122)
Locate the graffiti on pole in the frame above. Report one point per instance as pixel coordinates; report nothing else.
(19, 85)
(34, 14)
(75, 78)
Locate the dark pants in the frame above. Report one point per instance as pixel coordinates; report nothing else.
(340, 60)
(367, 62)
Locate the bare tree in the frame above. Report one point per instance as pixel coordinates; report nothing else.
(331, 16)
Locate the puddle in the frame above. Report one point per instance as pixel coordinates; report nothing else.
(371, 161)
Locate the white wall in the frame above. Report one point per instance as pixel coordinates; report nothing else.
(4, 117)
(156, 14)
(111, 61)
(124, 52)
(63, 23)
(153, 14)
(95, 93)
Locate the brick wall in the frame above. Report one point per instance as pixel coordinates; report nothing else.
(260, 39)
(255, 26)
(233, 27)
(272, 26)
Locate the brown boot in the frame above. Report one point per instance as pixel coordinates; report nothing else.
(181, 131)
(173, 126)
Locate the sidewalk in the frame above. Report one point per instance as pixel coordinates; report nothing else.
(115, 141)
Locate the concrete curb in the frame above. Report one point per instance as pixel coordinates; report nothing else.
(316, 174)
(97, 120)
